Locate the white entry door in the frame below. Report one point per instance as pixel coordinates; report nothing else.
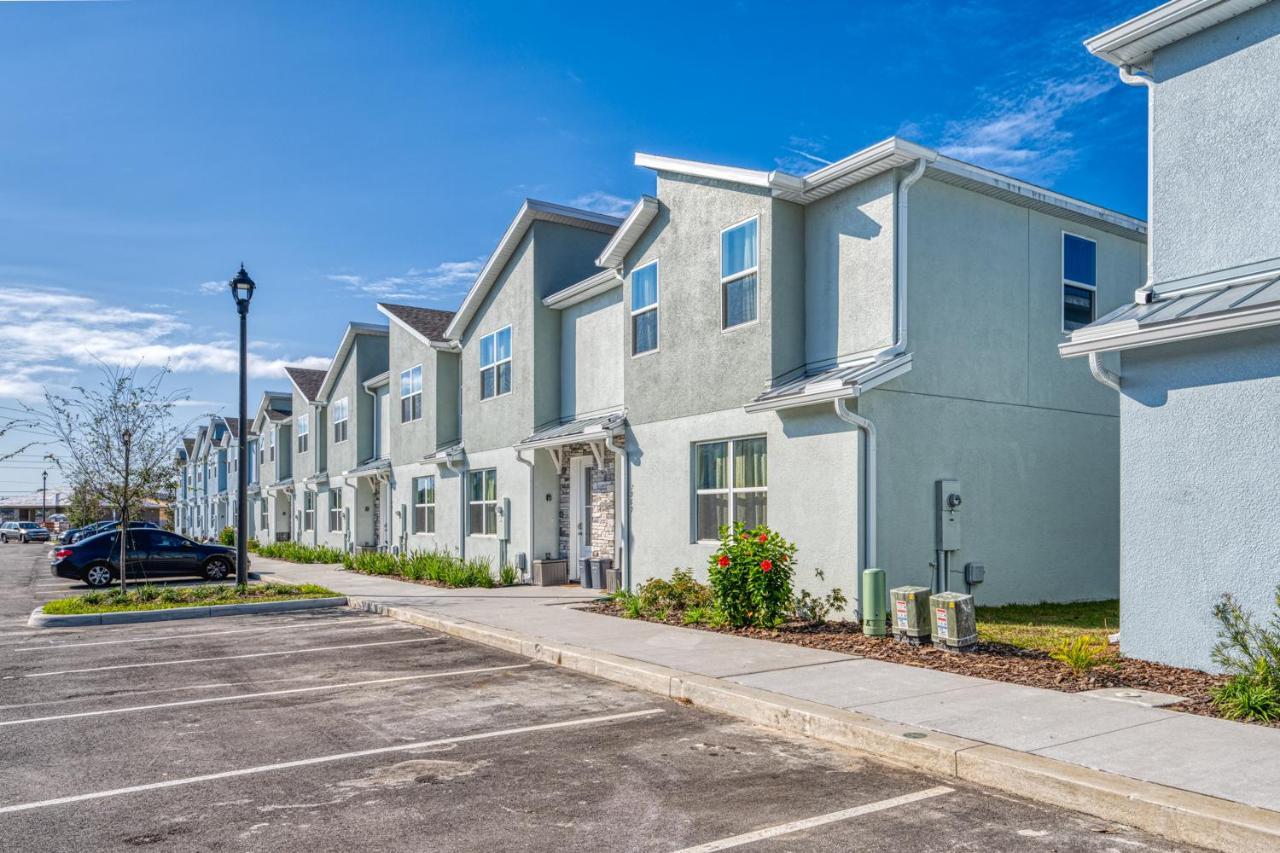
(579, 512)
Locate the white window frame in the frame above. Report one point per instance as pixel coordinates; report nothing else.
(308, 509)
(483, 503)
(428, 506)
(1066, 282)
(272, 443)
(263, 514)
(753, 270)
(729, 489)
(335, 521)
(652, 307)
(342, 406)
(411, 373)
(498, 362)
(302, 433)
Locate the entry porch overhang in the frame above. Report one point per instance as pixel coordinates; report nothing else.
(597, 432)
(833, 383)
(372, 468)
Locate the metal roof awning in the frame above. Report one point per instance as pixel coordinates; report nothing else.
(834, 383)
(446, 454)
(369, 469)
(595, 431)
(1182, 315)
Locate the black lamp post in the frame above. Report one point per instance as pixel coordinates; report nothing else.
(44, 497)
(242, 288)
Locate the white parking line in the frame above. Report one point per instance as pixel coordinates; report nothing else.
(224, 657)
(182, 636)
(810, 823)
(241, 696)
(326, 759)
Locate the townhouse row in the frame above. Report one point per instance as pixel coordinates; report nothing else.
(817, 352)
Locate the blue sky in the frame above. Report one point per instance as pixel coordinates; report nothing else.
(350, 152)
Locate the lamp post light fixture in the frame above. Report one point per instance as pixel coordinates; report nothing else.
(242, 288)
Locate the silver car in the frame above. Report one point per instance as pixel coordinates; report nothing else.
(22, 531)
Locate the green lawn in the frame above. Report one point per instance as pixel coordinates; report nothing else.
(1045, 626)
(149, 597)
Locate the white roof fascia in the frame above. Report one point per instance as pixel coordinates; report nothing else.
(711, 171)
(628, 233)
(1133, 42)
(601, 282)
(1124, 335)
(378, 381)
(339, 358)
(530, 211)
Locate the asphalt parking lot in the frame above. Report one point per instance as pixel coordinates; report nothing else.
(337, 730)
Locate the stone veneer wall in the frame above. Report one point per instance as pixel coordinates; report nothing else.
(602, 503)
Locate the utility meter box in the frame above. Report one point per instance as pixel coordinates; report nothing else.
(947, 501)
(911, 620)
(955, 626)
(504, 520)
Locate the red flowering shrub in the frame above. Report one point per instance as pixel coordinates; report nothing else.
(751, 576)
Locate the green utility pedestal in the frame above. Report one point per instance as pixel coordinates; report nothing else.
(875, 611)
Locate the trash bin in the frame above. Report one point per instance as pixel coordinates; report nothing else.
(599, 566)
(584, 573)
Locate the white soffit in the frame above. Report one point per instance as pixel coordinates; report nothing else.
(615, 251)
(1133, 42)
(601, 282)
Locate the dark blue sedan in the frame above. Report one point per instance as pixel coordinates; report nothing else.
(151, 555)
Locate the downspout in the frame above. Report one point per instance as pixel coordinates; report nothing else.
(900, 262)
(1144, 294)
(1107, 377)
(528, 560)
(868, 489)
(455, 465)
(622, 515)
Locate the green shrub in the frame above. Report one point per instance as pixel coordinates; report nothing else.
(1081, 653)
(227, 536)
(751, 575)
(507, 575)
(251, 545)
(296, 552)
(680, 593)
(629, 603)
(435, 566)
(814, 608)
(1250, 652)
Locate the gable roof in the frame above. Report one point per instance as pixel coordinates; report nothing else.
(307, 381)
(233, 427)
(1133, 42)
(891, 154)
(625, 238)
(531, 211)
(274, 406)
(427, 324)
(353, 331)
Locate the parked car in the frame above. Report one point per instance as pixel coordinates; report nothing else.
(151, 554)
(78, 533)
(22, 531)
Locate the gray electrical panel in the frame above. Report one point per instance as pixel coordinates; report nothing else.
(947, 501)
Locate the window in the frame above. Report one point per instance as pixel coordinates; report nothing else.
(335, 510)
(308, 510)
(644, 309)
(234, 459)
(424, 505)
(483, 503)
(272, 442)
(304, 432)
(1079, 281)
(265, 517)
(339, 420)
(738, 266)
(495, 364)
(732, 485)
(411, 394)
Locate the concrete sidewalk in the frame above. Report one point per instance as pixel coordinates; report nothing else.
(1234, 763)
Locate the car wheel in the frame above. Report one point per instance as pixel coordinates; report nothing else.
(4, 539)
(97, 576)
(24, 539)
(216, 569)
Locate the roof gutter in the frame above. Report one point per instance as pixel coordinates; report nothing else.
(900, 271)
(1143, 295)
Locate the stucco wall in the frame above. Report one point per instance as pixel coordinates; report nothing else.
(1216, 142)
(591, 354)
(303, 465)
(447, 532)
(1200, 433)
(849, 271)
(367, 358)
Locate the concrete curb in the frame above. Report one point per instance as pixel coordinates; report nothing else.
(1171, 813)
(40, 619)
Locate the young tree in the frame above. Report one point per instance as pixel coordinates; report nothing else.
(82, 507)
(114, 440)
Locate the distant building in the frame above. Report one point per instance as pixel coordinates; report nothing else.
(29, 507)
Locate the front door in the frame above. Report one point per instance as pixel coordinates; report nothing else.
(579, 512)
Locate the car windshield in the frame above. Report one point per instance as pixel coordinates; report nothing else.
(28, 525)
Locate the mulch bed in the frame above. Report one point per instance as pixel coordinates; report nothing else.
(994, 661)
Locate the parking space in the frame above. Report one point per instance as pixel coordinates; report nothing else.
(338, 730)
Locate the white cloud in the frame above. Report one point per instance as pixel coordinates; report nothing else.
(1025, 134)
(212, 288)
(803, 155)
(48, 335)
(603, 202)
(445, 281)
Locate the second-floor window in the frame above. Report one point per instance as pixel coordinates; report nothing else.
(264, 514)
(272, 443)
(339, 420)
(739, 259)
(1079, 281)
(411, 394)
(732, 485)
(235, 460)
(482, 502)
(424, 505)
(308, 510)
(304, 433)
(495, 364)
(335, 510)
(644, 309)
